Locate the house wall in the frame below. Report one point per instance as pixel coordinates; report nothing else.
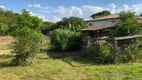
(102, 22)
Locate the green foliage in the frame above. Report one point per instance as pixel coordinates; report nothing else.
(104, 54)
(26, 46)
(11, 22)
(7, 20)
(129, 53)
(99, 54)
(28, 36)
(100, 14)
(65, 40)
(72, 23)
(47, 27)
(127, 25)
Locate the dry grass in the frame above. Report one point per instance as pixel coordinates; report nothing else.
(5, 52)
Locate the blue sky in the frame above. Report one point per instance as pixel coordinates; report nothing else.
(55, 10)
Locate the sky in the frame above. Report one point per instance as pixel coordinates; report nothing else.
(55, 10)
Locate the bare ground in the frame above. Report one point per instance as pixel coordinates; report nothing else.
(6, 39)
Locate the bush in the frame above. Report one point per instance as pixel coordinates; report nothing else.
(103, 54)
(26, 46)
(129, 53)
(65, 40)
(99, 53)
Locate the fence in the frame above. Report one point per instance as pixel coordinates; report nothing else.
(112, 42)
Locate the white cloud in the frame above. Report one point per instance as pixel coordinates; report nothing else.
(39, 15)
(30, 5)
(72, 11)
(75, 11)
(137, 8)
(84, 11)
(38, 6)
(92, 9)
(126, 7)
(61, 10)
(112, 8)
(45, 7)
(89, 10)
(34, 5)
(56, 19)
(45, 11)
(2, 6)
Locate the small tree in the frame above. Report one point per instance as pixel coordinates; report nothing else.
(28, 36)
(26, 46)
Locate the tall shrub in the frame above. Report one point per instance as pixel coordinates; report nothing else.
(26, 46)
(65, 40)
(129, 53)
(99, 54)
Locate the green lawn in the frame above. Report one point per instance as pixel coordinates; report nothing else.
(69, 68)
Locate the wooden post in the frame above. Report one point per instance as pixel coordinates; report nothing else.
(88, 41)
(114, 48)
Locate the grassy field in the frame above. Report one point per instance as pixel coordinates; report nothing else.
(51, 66)
(69, 68)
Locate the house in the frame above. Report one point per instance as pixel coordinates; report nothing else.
(97, 25)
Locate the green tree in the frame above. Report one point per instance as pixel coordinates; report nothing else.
(100, 14)
(127, 25)
(28, 36)
(26, 46)
(72, 23)
(47, 27)
(25, 20)
(7, 20)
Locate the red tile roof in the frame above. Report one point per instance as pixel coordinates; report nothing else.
(111, 16)
(96, 28)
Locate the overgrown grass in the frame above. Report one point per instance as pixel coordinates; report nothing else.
(69, 68)
(55, 67)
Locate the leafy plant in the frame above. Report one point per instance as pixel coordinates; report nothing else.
(65, 40)
(132, 52)
(99, 53)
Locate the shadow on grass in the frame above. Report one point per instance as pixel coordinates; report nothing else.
(4, 62)
(74, 59)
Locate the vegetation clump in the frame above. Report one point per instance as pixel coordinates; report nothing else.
(26, 47)
(28, 36)
(65, 40)
(100, 54)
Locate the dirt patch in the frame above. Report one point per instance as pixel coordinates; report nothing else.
(6, 39)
